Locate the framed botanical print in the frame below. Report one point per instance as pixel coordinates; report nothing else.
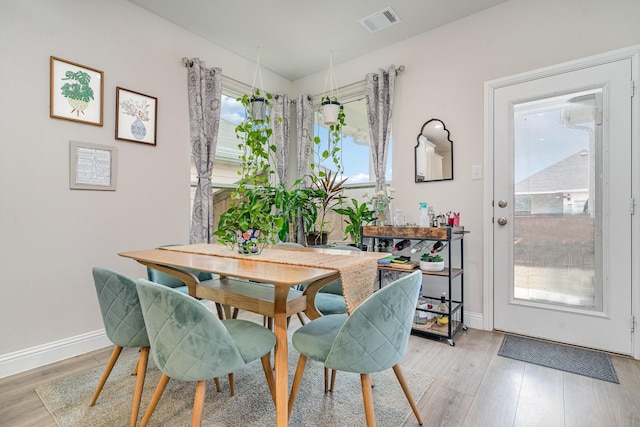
(76, 92)
(136, 116)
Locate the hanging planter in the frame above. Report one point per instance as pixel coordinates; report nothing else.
(259, 108)
(330, 111)
(259, 103)
(330, 105)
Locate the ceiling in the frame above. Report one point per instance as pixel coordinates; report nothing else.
(296, 38)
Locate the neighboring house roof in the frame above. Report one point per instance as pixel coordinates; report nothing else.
(569, 174)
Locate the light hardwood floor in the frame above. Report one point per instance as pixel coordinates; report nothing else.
(473, 386)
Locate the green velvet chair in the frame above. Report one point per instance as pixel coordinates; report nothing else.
(372, 339)
(330, 300)
(189, 343)
(124, 325)
(173, 282)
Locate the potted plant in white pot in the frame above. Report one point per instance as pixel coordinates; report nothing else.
(431, 262)
(331, 109)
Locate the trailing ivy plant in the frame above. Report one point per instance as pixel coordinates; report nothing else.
(327, 170)
(253, 199)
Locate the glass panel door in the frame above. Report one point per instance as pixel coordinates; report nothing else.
(556, 237)
(562, 190)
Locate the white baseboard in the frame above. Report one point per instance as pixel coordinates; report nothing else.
(35, 357)
(474, 320)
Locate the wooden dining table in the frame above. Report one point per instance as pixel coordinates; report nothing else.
(284, 268)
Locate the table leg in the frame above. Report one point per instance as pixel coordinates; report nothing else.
(311, 290)
(281, 356)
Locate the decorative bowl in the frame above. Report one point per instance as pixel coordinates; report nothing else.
(431, 266)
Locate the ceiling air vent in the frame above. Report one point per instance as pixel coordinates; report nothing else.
(380, 20)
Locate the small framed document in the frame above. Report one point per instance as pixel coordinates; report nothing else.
(92, 166)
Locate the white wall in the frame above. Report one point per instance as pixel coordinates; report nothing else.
(444, 78)
(52, 236)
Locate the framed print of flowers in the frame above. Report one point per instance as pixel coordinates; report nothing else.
(76, 92)
(136, 116)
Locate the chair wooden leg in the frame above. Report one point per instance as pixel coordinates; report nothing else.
(326, 379)
(135, 370)
(268, 372)
(198, 403)
(141, 369)
(220, 311)
(157, 394)
(301, 318)
(216, 381)
(405, 388)
(232, 386)
(107, 370)
(333, 379)
(235, 313)
(297, 379)
(367, 397)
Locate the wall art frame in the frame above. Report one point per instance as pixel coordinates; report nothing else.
(92, 166)
(77, 92)
(136, 116)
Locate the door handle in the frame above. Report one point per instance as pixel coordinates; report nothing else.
(502, 221)
(502, 203)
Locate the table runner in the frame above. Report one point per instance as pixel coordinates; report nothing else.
(358, 273)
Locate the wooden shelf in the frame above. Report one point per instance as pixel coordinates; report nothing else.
(444, 273)
(415, 233)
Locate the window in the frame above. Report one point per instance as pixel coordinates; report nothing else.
(356, 143)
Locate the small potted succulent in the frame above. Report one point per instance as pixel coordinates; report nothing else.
(431, 262)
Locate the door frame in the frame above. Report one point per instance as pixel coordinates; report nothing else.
(490, 87)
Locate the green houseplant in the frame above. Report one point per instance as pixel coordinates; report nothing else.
(357, 214)
(250, 223)
(295, 204)
(326, 175)
(431, 262)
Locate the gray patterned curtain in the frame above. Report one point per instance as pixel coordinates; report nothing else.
(304, 121)
(205, 94)
(280, 116)
(379, 92)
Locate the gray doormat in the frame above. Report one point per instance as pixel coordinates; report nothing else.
(579, 361)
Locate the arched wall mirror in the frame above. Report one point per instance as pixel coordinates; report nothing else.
(434, 153)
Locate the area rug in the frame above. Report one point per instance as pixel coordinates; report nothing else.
(579, 361)
(67, 399)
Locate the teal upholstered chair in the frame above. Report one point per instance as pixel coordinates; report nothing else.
(329, 299)
(189, 343)
(373, 338)
(173, 282)
(124, 325)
